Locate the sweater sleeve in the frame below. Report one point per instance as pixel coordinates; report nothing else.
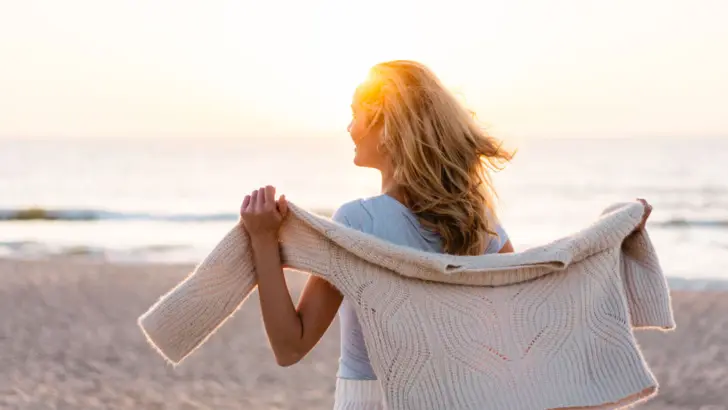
(648, 295)
(185, 317)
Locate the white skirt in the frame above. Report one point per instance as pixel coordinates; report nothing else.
(358, 395)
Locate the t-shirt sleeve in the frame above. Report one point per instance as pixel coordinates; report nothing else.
(352, 215)
(497, 242)
(341, 217)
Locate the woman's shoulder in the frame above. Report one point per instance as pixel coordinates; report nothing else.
(392, 215)
(351, 214)
(360, 213)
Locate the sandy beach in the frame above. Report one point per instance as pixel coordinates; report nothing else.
(69, 340)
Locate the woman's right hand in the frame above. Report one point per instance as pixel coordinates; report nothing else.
(261, 213)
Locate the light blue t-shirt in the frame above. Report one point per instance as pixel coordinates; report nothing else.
(386, 218)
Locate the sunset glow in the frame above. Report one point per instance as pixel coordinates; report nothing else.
(239, 69)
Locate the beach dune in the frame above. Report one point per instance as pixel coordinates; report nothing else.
(69, 340)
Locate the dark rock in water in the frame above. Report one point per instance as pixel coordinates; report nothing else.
(33, 213)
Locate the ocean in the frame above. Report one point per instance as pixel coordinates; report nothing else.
(170, 200)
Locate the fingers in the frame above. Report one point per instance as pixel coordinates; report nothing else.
(246, 203)
(260, 204)
(270, 196)
(644, 202)
(261, 199)
(254, 200)
(283, 205)
(645, 215)
(648, 207)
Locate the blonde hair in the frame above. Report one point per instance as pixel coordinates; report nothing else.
(440, 156)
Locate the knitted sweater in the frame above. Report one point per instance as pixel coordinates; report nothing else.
(548, 327)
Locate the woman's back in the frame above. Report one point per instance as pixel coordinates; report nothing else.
(437, 196)
(388, 219)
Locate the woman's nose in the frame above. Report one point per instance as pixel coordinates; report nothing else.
(348, 127)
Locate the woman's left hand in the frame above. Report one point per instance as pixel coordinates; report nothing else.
(262, 214)
(648, 211)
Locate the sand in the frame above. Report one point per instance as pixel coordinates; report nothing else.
(69, 340)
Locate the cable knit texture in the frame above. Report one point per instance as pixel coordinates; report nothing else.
(548, 327)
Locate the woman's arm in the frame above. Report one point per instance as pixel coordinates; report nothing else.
(507, 247)
(292, 331)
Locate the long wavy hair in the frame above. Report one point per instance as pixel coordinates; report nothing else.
(440, 156)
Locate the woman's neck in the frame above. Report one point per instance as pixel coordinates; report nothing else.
(390, 186)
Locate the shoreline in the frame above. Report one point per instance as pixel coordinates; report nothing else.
(678, 283)
(70, 340)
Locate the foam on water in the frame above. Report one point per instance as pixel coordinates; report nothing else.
(185, 254)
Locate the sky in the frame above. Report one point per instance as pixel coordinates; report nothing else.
(244, 69)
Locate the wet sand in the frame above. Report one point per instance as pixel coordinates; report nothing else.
(69, 340)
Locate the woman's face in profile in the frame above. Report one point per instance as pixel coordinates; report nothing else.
(366, 139)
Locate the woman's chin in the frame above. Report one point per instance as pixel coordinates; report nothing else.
(362, 161)
(357, 161)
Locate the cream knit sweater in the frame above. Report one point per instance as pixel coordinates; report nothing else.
(549, 327)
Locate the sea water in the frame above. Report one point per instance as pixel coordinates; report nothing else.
(171, 200)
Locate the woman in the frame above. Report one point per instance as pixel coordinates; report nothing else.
(436, 196)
